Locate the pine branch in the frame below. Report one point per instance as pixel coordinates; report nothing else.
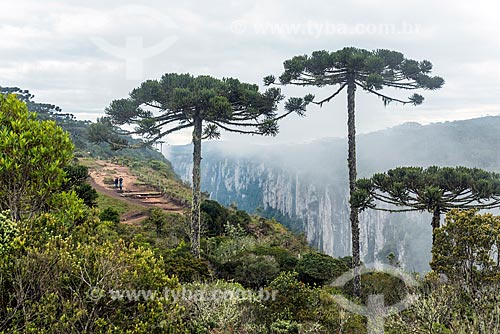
(385, 98)
(235, 130)
(408, 86)
(320, 103)
(149, 104)
(395, 210)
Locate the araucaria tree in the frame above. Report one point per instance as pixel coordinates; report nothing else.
(433, 189)
(204, 103)
(371, 71)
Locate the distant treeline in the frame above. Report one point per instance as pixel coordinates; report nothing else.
(78, 129)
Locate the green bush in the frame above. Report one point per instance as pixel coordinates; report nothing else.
(466, 246)
(286, 259)
(76, 179)
(216, 216)
(255, 271)
(72, 285)
(181, 263)
(110, 214)
(33, 154)
(378, 283)
(319, 269)
(158, 219)
(295, 301)
(284, 327)
(228, 309)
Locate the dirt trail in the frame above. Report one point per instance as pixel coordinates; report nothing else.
(134, 192)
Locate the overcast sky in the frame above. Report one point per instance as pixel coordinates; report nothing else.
(81, 55)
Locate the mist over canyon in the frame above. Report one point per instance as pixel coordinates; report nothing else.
(304, 186)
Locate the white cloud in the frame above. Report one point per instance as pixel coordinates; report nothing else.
(46, 47)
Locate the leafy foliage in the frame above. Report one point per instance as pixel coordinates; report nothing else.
(466, 248)
(233, 312)
(285, 258)
(216, 216)
(319, 269)
(255, 271)
(62, 276)
(8, 231)
(379, 283)
(179, 262)
(157, 219)
(294, 300)
(76, 179)
(33, 155)
(445, 308)
(110, 214)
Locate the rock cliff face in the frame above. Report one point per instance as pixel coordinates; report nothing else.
(305, 186)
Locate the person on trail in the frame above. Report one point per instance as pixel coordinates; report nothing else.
(116, 183)
(121, 183)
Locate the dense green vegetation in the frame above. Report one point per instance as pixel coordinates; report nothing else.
(68, 266)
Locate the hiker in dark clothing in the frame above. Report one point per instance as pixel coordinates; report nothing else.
(116, 183)
(121, 182)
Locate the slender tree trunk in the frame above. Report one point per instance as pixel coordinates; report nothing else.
(351, 163)
(436, 222)
(195, 207)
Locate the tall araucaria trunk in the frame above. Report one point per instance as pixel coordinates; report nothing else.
(351, 163)
(195, 207)
(436, 222)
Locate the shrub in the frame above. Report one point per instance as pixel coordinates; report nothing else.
(158, 219)
(285, 258)
(319, 269)
(466, 248)
(227, 308)
(295, 301)
(255, 271)
(110, 214)
(284, 327)
(67, 285)
(181, 263)
(216, 216)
